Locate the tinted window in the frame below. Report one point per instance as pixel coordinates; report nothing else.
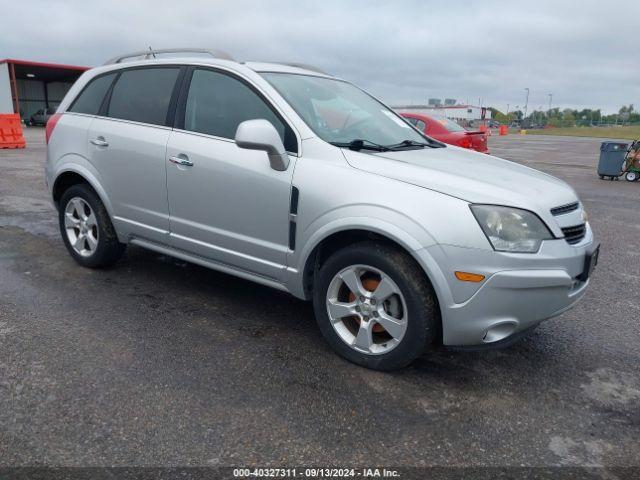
(143, 95)
(420, 125)
(218, 103)
(411, 120)
(91, 97)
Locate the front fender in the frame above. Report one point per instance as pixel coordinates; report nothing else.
(386, 222)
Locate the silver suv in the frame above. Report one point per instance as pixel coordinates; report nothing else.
(289, 177)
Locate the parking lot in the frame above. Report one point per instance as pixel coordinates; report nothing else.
(160, 362)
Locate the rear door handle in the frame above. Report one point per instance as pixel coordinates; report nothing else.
(181, 160)
(100, 142)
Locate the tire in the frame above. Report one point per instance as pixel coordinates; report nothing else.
(414, 311)
(85, 223)
(631, 176)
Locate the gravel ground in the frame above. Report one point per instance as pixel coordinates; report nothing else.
(160, 362)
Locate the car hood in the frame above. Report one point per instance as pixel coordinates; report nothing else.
(468, 175)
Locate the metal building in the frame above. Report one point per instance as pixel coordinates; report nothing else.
(26, 87)
(459, 113)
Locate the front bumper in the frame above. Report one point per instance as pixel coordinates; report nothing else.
(519, 291)
(510, 302)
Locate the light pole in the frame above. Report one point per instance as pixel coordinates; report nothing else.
(540, 115)
(526, 103)
(550, 97)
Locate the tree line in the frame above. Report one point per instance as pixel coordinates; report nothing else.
(569, 117)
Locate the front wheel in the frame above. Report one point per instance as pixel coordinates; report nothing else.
(631, 176)
(86, 228)
(375, 306)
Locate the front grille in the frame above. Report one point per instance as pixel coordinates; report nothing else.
(574, 234)
(564, 209)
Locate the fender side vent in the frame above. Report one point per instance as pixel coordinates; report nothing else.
(292, 235)
(295, 193)
(293, 217)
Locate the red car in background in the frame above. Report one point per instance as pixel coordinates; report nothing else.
(448, 131)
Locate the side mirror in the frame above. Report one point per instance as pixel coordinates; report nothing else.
(262, 135)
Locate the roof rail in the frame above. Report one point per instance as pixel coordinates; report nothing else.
(152, 53)
(303, 65)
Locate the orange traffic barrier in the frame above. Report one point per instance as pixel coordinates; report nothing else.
(504, 130)
(11, 131)
(483, 128)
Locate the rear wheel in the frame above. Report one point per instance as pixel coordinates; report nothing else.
(86, 228)
(375, 306)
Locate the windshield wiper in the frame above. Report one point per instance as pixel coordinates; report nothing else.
(413, 143)
(360, 144)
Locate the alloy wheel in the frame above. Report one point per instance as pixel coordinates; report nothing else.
(81, 227)
(367, 309)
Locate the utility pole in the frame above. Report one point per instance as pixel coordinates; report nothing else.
(550, 97)
(526, 103)
(540, 118)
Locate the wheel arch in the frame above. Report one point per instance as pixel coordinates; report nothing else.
(73, 175)
(331, 241)
(342, 238)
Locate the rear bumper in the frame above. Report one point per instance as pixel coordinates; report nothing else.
(519, 291)
(479, 148)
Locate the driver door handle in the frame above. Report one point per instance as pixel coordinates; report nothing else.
(184, 161)
(100, 142)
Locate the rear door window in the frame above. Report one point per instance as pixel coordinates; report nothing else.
(217, 103)
(91, 97)
(143, 95)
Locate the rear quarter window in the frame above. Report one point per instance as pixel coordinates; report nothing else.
(92, 95)
(143, 95)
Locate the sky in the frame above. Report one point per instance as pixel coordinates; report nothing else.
(586, 53)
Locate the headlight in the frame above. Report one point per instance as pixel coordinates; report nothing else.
(511, 229)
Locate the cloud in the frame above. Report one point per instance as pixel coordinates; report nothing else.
(402, 51)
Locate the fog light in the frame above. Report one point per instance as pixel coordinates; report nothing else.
(469, 277)
(499, 332)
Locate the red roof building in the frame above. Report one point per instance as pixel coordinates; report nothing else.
(26, 87)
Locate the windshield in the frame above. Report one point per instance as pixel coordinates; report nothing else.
(451, 125)
(340, 113)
